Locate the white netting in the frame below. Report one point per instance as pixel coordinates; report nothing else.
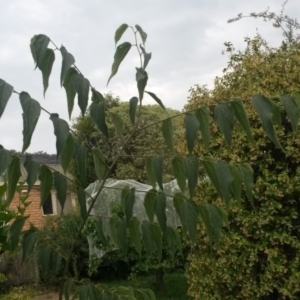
(111, 193)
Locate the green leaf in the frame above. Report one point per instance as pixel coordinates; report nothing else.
(142, 33)
(38, 46)
(13, 175)
(178, 201)
(112, 225)
(61, 186)
(179, 172)
(147, 57)
(5, 159)
(33, 171)
(80, 157)
(173, 240)
(150, 171)
(120, 54)
(190, 213)
(202, 114)
(266, 111)
(69, 88)
(241, 116)
(133, 102)
(148, 237)
(46, 178)
(28, 243)
(99, 163)
(67, 153)
(6, 91)
(82, 202)
(97, 113)
(15, 231)
(191, 128)
(236, 185)
(129, 201)
(67, 288)
(191, 163)
(44, 257)
(61, 131)
(118, 123)
(46, 67)
(122, 234)
(160, 205)
(141, 78)
(248, 180)
(209, 167)
(100, 232)
(67, 61)
(291, 108)
(149, 201)
(157, 237)
(158, 170)
(167, 130)
(31, 113)
(224, 117)
(135, 234)
(158, 101)
(119, 32)
(82, 88)
(225, 180)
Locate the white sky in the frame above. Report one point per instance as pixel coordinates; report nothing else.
(186, 39)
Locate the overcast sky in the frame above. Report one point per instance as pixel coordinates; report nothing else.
(186, 38)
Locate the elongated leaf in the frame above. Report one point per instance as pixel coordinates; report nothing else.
(150, 171)
(149, 201)
(191, 128)
(224, 117)
(5, 159)
(120, 31)
(97, 113)
(6, 91)
(191, 163)
(44, 257)
(157, 237)
(46, 178)
(99, 163)
(67, 61)
(141, 79)
(28, 243)
(69, 88)
(148, 237)
(179, 172)
(80, 157)
(247, 173)
(120, 54)
(291, 109)
(209, 167)
(61, 186)
(202, 114)
(190, 210)
(38, 47)
(236, 185)
(33, 171)
(225, 180)
(82, 88)
(122, 234)
(173, 240)
(133, 102)
(142, 33)
(160, 205)
(100, 232)
(15, 232)
(31, 113)
(147, 57)
(112, 226)
(61, 131)
(158, 101)
(178, 201)
(13, 175)
(67, 288)
(216, 221)
(46, 67)
(265, 110)
(135, 234)
(129, 203)
(67, 153)
(158, 170)
(167, 130)
(241, 116)
(118, 123)
(82, 202)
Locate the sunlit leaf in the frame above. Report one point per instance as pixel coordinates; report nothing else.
(6, 91)
(191, 128)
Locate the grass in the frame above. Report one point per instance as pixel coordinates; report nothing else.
(175, 288)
